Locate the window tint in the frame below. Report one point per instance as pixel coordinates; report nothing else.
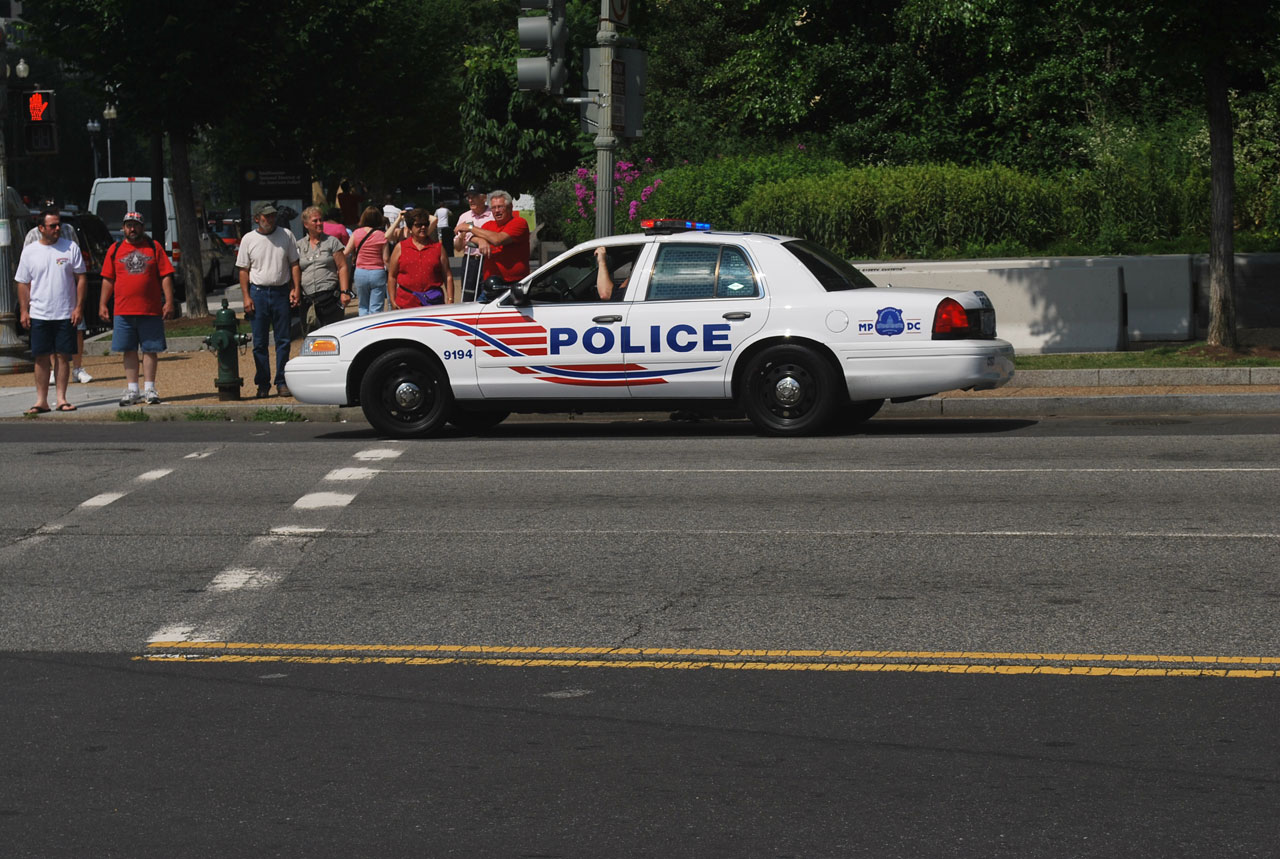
(112, 213)
(686, 271)
(834, 273)
(736, 278)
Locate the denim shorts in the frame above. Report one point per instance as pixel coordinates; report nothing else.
(132, 332)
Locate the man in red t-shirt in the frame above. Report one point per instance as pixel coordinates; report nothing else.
(504, 240)
(137, 272)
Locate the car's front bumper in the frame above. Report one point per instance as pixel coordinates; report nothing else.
(318, 379)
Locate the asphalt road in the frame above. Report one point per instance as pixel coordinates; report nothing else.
(944, 638)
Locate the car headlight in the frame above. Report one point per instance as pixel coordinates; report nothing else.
(327, 346)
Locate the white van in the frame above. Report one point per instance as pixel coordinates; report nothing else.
(112, 197)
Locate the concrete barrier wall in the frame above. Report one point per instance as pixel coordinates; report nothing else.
(1257, 294)
(1038, 308)
(1067, 304)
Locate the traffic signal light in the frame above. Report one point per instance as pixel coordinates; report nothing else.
(543, 33)
(40, 127)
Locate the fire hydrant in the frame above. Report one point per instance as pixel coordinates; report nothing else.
(224, 341)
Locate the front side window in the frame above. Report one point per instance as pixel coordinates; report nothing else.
(695, 271)
(576, 279)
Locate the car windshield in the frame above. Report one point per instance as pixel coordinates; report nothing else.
(834, 273)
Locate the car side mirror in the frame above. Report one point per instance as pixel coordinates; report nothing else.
(520, 295)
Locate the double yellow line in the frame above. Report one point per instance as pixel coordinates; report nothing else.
(920, 661)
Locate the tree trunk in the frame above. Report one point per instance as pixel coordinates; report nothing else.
(1222, 268)
(188, 229)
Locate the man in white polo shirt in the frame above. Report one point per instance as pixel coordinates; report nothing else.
(271, 282)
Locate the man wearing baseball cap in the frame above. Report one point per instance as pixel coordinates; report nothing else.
(472, 259)
(137, 273)
(271, 282)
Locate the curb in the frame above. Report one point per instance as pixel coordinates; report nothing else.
(933, 407)
(1183, 376)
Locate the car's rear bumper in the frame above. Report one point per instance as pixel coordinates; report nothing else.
(931, 368)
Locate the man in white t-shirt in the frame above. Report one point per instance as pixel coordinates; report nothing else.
(390, 211)
(78, 372)
(271, 283)
(51, 287)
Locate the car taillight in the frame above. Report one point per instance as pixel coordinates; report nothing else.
(950, 320)
(177, 254)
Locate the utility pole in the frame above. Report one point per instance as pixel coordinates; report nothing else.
(606, 141)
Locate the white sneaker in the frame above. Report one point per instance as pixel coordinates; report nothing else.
(151, 397)
(130, 398)
(81, 375)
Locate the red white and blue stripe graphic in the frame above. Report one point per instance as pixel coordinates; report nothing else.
(510, 334)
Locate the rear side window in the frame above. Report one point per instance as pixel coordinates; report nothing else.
(112, 213)
(834, 273)
(690, 271)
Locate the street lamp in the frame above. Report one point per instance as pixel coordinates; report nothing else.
(13, 357)
(94, 127)
(109, 116)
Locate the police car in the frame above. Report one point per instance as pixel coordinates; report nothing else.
(777, 328)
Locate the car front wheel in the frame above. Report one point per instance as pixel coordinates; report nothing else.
(405, 394)
(788, 390)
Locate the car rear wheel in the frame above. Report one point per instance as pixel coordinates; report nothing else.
(476, 421)
(788, 390)
(405, 394)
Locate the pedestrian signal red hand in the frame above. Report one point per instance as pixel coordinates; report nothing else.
(38, 106)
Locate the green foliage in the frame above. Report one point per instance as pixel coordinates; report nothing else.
(1191, 355)
(132, 415)
(207, 415)
(712, 190)
(277, 414)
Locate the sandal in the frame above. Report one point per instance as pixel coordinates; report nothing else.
(66, 407)
(37, 410)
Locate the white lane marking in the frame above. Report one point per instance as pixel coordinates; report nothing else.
(375, 454)
(153, 475)
(317, 500)
(104, 499)
(1256, 470)
(352, 474)
(201, 454)
(236, 578)
(817, 532)
(295, 530)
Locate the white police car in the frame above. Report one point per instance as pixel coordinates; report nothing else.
(777, 328)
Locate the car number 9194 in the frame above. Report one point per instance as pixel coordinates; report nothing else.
(457, 354)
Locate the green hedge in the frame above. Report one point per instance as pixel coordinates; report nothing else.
(1131, 205)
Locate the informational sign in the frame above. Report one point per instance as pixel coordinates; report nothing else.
(285, 186)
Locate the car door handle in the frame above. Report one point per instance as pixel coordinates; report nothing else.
(610, 318)
(738, 314)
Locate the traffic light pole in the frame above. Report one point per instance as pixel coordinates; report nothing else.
(606, 141)
(12, 349)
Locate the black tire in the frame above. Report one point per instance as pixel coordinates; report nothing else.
(789, 390)
(850, 415)
(477, 421)
(405, 394)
